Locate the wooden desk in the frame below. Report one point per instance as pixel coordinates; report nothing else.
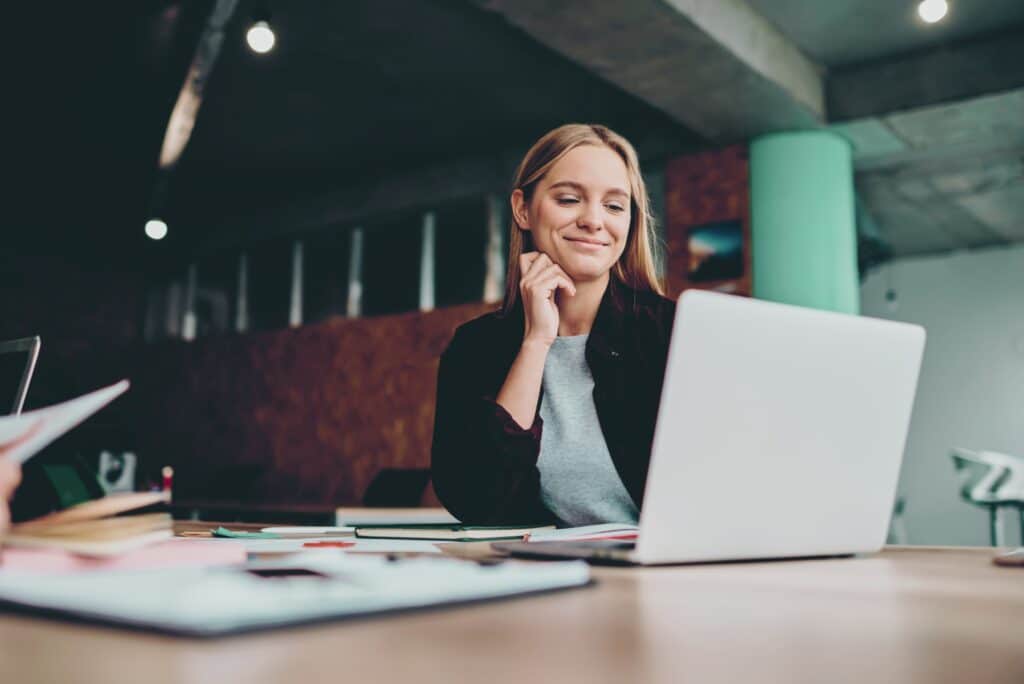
(907, 615)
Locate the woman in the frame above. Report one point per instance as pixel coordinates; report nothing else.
(546, 408)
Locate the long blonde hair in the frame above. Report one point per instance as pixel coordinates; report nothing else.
(635, 267)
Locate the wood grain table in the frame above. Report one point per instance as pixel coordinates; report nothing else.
(905, 615)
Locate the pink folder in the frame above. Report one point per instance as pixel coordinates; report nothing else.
(168, 554)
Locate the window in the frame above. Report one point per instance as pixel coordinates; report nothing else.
(326, 263)
(216, 294)
(460, 252)
(391, 265)
(270, 284)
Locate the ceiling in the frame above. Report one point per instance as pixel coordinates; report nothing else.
(354, 91)
(361, 91)
(945, 177)
(843, 32)
(364, 90)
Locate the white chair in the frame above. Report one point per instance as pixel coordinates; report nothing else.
(994, 481)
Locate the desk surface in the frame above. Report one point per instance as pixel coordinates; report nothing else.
(906, 615)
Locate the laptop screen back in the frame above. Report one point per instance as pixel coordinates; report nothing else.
(17, 362)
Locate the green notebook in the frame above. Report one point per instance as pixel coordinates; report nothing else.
(447, 532)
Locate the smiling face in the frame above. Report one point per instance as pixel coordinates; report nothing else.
(579, 212)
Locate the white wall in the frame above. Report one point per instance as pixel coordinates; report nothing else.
(971, 392)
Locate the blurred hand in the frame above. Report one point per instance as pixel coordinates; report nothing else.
(541, 279)
(10, 476)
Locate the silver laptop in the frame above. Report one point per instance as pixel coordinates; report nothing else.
(17, 363)
(780, 435)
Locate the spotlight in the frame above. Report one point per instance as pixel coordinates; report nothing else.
(932, 11)
(260, 37)
(156, 229)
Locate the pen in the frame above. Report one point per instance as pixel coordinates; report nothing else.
(168, 476)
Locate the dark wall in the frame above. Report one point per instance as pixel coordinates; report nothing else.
(294, 417)
(86, 311)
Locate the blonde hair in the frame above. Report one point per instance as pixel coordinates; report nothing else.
(635, 267)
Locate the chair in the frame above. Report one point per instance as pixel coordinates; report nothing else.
(994, 481)
(397, 488)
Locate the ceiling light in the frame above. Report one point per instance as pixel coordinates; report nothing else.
(932, 11)
(260, 38)
(156, 229)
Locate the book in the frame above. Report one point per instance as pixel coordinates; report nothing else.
(447, 532)
(98, 528)
(381, 517)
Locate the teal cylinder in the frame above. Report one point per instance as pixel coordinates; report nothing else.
(803, 221)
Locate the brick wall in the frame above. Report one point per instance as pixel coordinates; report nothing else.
(709, 187)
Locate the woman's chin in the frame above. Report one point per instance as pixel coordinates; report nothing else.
(585, 273)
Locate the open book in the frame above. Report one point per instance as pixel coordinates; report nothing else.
(93, 528)
(99, 527)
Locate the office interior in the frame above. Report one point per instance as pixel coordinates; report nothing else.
(271, 217)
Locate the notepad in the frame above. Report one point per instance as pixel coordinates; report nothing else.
(447, 532)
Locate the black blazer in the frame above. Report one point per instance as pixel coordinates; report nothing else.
(484, 465)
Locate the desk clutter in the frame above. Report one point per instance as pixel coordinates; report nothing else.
(115, 559)
(215, 580)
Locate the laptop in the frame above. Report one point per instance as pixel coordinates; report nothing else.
(17, 363)
(780, 434)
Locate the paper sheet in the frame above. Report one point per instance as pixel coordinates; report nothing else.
(24, 435)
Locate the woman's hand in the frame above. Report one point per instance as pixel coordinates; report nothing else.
(541, 279)
(10, 476)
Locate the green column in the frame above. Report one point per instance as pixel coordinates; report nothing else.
(802, 221)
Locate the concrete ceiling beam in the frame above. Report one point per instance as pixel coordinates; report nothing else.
(931, 77)
(717, 67)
